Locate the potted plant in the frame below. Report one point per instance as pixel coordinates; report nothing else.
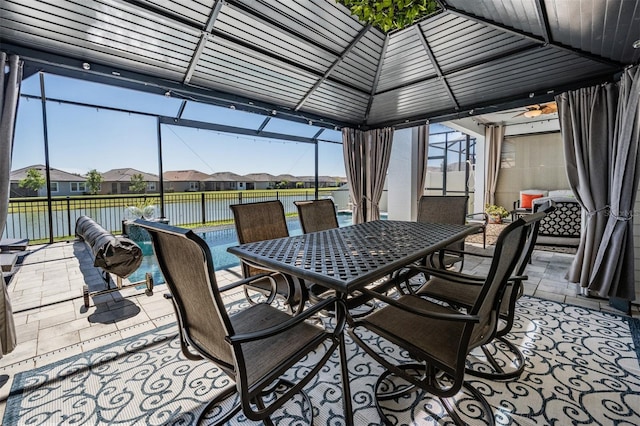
(496, 213)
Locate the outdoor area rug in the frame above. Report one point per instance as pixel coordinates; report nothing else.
(582, 368)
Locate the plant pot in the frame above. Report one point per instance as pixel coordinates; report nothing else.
(495, 219)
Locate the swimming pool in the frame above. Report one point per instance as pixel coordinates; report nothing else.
(218, 241)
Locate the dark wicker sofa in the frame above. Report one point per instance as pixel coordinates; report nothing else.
(560, 228)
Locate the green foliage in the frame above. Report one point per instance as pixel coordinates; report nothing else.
(34, 180)
(496, 211)
(137, 183)
(299, 184)
(390, 14)
(94, 179)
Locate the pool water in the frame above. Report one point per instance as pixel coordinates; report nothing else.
(218, 240)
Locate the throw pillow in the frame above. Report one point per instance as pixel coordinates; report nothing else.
(527, 199)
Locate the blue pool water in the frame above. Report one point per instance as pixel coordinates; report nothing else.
(218, 240)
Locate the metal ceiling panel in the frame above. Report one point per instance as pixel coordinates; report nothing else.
(360, 65)
(311, 57)
(518, 14)
(457, 42)
(607, 29)
(339, 102)
(106, 32)
(539, 71)
(236, 69)
(409, 102)
(197, 11)
(405, 61)
(324, 22)
(269, 38)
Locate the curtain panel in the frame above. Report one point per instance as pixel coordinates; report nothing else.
(423, 154)
(366, 158)
(600, 132)
(12, 69)
(494, 135)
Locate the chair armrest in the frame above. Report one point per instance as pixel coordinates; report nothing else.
(479, 216)
(457, 277)
(243, 282)
(295, 320)
(421, 312)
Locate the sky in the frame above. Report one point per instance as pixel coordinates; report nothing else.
(84, 138)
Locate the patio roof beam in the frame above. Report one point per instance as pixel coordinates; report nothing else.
(204, 37)
(376, 78)
(465, 67)
(71, 67)
(176, 121)
(436, 65)
(544, 20)
(333, 66)
(264, 124)
(532, 37)
(183, 105)
(233, 130)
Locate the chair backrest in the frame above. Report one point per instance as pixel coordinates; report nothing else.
(259, 221)
(186, 264)
(317, 215)
(508, 251)
(264, 220)
(443, 209)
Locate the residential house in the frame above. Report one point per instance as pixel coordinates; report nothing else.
(262, 180)
(184, 181)
(226, 181)
(323, 181)
(118, 181)
(61, 183)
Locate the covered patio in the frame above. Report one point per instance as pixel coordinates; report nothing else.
(471, 66)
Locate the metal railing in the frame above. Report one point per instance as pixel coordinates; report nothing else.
(30, 217)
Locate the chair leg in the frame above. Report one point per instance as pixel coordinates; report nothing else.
(492, 369)
(398, 391)
(226, 392)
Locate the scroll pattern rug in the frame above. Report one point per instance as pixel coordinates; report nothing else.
(582, 368)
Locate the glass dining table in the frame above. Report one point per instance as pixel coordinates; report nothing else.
(349, 258)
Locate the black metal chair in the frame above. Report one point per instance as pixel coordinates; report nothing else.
(254, 346)
(503, 359)
(437, 338)
(261, 221)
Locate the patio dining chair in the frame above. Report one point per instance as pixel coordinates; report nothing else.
(253, 346)
(433, 340)
(265, 220)
(450, 210)
(502, 359)
(317, 215)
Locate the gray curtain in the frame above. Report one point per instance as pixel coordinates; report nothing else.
(366, 158)
(9, 96)
(600, 131)
(423, 153)
(353, 146)
(493, 134)
(377, 160)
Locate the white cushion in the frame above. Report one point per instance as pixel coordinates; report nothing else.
(561, 193)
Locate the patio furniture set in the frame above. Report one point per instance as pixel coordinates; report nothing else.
(360, 263)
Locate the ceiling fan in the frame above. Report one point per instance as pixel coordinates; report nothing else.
(536, 110)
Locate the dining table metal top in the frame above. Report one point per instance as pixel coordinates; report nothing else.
(347, 258)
